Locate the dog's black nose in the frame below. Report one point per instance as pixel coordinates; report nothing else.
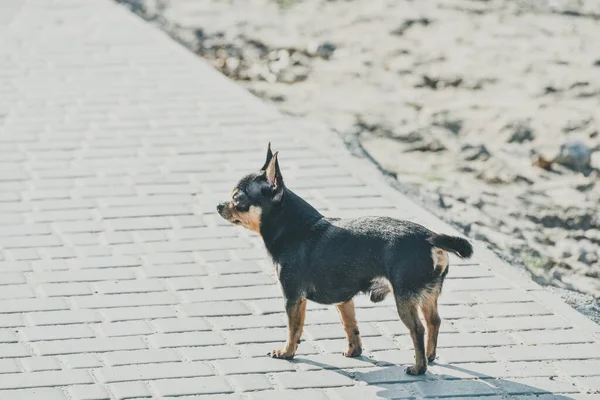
(220, 207)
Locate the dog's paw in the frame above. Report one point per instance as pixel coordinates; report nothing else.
(431, 358)
(281, 353)
(416, 369)
(352, 352)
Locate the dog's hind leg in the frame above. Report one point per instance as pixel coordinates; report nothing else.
(348, 319)
(407, 309)
(296, 311)
(429, 308)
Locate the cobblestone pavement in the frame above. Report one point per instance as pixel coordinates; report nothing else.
(119, 280)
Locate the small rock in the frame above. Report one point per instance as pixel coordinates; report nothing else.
(575, 155)
(323, 50)
(540, 161)
(471, 153)
(518, 132)
(587, 255)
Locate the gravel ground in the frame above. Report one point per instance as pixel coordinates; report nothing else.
(486, 111)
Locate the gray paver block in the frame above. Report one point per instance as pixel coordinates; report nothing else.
(455, 388)
(313, 379)
(88, 392)
(373, 392)
(129, 390)
(184, 339)
(209, 353)
(289, 395)
(34, 394)
(34, 364)
(56, 332)
(43, 379)
(119, 358)
(192, 386)
(250, 383)
(253, 366)
(152, 371)
(127, 328)
(88, 345)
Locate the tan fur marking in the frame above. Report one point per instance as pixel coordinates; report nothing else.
(296, 313)
(249, 220)
(407, 310)
(429, 309)
(348, 319)
(440, 259)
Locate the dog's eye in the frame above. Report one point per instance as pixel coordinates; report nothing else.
(241, 207)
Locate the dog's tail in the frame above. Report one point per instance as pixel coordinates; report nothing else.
(454, 244)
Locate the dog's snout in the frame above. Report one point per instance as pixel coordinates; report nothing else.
(220, 207)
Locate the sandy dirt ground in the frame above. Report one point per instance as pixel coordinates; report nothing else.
(488, 110)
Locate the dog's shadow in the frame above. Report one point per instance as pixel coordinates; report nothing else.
(390, 381)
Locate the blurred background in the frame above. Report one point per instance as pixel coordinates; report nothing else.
(486, 111)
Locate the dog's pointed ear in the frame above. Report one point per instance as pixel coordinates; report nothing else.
(274, 176)
(269, 157)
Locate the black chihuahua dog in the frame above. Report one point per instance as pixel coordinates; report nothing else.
(330, 260)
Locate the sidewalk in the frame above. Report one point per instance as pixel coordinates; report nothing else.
(118, 280)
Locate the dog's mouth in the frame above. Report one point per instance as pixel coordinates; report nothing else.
(236, 221)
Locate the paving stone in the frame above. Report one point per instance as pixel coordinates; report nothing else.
(459, 355)
(590, 383)
(240, 322)
(174, 271)
(119, 358)
(313, 379)
(57, 332)
(185, 339)
(34, 364)
(547, 352)
(374, 392)
(9, 365)
(245, 293)
(88, 392)
(455, 388)
(34, 394)
(85, 360)
(289, 395)
(28, 305)
(125, 300)
(88, 345)
(152, 371)
(126, 328)
(129, 390)
(215, 309)
(558, 336)
(64, 317)
(192, 386)
(8, 350)
(328, 361)
(43, 379)
(206, 353)
(175, 325)
(511, 309)
(65, 289)
(250, 383)
(535, 385)
(252, 366)
(138, 313)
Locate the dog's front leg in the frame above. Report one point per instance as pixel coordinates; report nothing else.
(296, 310)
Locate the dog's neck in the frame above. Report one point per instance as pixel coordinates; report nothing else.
(291, 218)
